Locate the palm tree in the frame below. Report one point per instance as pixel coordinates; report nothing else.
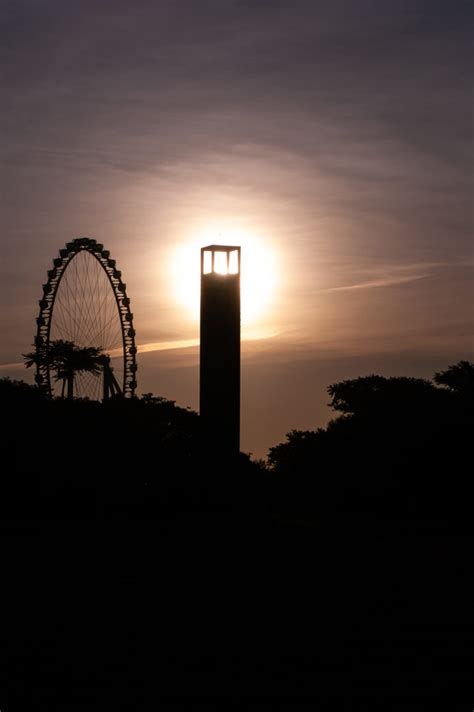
(67, 360)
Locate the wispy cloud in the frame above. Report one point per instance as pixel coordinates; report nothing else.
(12, 366)
(256, 334)
(389, 275)
(386, 281)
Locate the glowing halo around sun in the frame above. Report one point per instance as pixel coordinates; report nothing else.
(258, 274)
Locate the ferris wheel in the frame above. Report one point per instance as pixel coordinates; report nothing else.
(85, 302)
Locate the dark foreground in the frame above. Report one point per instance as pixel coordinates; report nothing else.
(143, 570)
(209, 610)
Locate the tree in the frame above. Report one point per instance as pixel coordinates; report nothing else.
(296, 453)
(373, 395)
(397, 445)
(458, 378)
(67, 359)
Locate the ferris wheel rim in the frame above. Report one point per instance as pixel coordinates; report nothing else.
(122, 302)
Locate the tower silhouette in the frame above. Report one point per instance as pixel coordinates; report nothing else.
(220, 346)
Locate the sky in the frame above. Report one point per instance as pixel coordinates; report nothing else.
(332, 140)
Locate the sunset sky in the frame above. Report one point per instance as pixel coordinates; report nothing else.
(332, 140)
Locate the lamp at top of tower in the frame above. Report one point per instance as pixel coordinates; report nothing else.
(220, 259)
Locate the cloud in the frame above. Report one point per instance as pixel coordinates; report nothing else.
(387, 281)
(257, 334)
(12, 366)
(397, 274)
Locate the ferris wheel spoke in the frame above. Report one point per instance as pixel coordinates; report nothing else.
(72, 319)
(108, 322)
(108, 335)
(102, 311)
(96, 301)
(61, 315)
(85, 308)
(74, 283)
(88, 384)
(71, 298)
(63, 307)
(115, 339)
(99, 306)
(61, 331)
(103, 332)
(89, 318)
(63, 299)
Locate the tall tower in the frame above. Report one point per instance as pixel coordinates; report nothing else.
(220, 346)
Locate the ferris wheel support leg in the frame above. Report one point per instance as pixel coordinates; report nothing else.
(111, 386)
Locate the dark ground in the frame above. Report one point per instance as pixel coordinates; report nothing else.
(138, 574)
(210, 611)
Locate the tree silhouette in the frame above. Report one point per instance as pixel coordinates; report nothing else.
(67, 359)
(397, 445)
(459, 378)
(369, 395)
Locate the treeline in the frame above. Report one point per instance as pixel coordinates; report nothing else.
(398, 448)
(121, 458)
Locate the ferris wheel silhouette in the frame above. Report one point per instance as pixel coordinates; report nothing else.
(85, 302)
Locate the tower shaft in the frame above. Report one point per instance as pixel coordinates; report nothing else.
(220, 354)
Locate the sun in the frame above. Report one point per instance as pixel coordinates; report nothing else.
(258, 274)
